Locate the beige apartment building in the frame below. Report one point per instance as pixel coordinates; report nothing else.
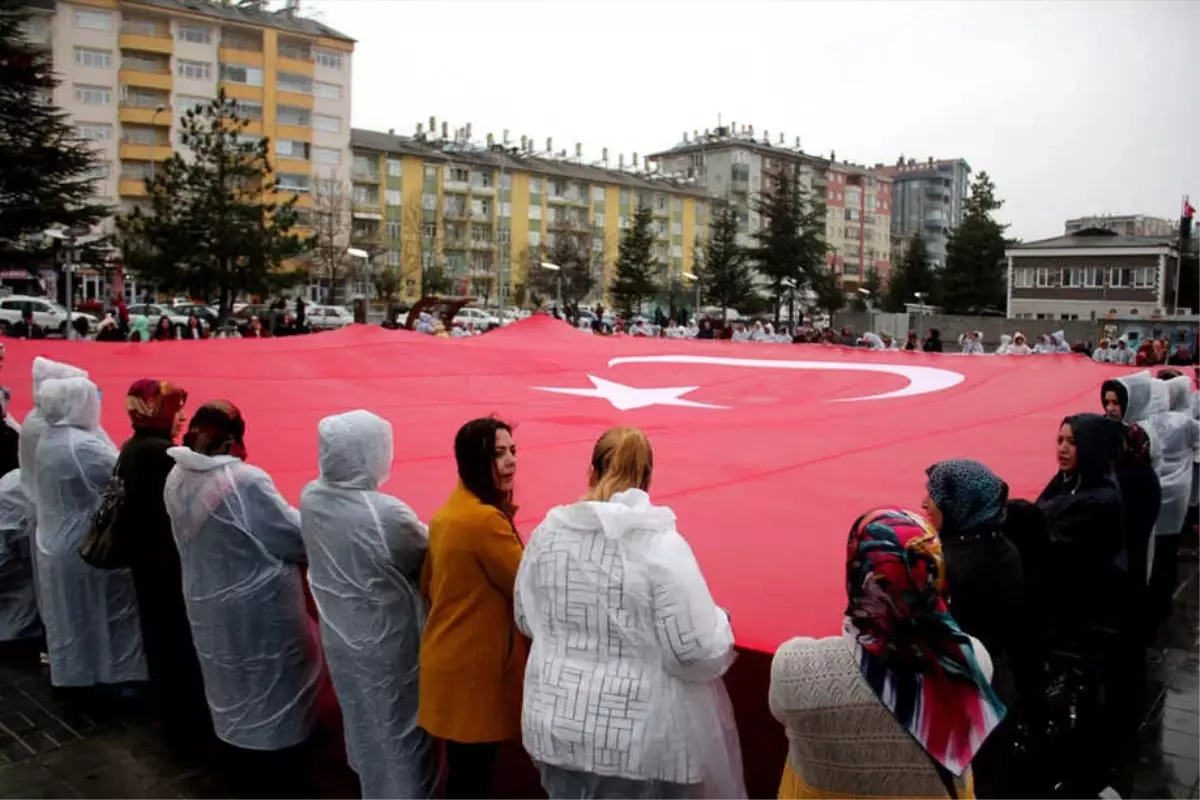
(131, 69)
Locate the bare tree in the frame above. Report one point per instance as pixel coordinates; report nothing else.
(334, 234)
(580, 268)
(418, 253)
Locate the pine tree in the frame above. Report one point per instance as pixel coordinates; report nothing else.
(828, 290)
(873, 285)
(974, 278)
(913, 274)
(214, 228)
(577, 272)
(791, 244)
(637, 268)
(726, 276)
(44, 167)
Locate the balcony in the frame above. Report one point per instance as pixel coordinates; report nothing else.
(741, 185)
(483, 191)
(149, 80)
(483, 246)
(142, 115)
(364, 176)
(457, 213)
(134, 151)
(297, 66)
(159, 42)
(236, 55)
(132, 187)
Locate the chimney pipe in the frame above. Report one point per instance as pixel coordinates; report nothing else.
(685, 139)
(433, 126)
(467, 131)
(579, 149)
(621, 161)
(505, 136)
(550, 145)
(491, 141)
(420, 129)
(391, 131)
(635, 160)
(604, 155)
(445, 130)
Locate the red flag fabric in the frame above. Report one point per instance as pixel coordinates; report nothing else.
(767, 453)
(1188, 210)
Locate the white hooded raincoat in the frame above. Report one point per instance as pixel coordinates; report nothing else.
(19, 617)
(365, 551)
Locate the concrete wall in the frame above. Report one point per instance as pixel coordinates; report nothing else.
(952, 326)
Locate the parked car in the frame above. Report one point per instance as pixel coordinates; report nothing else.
(207, 314)
(47, 314)
(327, 318)
(153, 311)
(481, 319)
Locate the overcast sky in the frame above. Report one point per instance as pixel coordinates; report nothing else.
(1073, 108)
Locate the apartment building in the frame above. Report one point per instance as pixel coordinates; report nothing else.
(736, 166)
(929, 199)
(131, 69)
(1092, 274)
(1126, 224)
(486, 213)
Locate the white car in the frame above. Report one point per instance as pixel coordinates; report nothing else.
(47, 314)
(481, 319)
(153, 311)
(327, 318)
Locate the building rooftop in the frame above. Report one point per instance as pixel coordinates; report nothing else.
(915, 169)
(1094, 237)
(511, 158)
(248, 12)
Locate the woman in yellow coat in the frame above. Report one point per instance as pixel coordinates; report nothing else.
(472, 655)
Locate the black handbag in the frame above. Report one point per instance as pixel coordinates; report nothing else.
(102, 546)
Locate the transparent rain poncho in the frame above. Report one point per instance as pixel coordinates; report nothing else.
(240, 552)
(1174, 438)
(31, 430)
(1148, 396)
(19, 617)
(365, 552)
(91, 617)
(624, 674)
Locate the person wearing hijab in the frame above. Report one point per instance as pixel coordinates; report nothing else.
(35, 422)
(472, 655)
(365, 551)
(139, 329)
(636, 593)
(1102, 353)
(972, 343)
(93, 634)
(933, 341)
(195, 328)
(155, 411)
(21, 633)
(872, 342)
(241, 554)
(1005, 347)
(163, 331)
(899, 703)
(1019, 346)
(1174, 441)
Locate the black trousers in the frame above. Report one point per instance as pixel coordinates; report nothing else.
(1163, 576)
(469, 769)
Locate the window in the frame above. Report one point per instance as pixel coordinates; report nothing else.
(290, 82)
(678, 206)
(196, 70)
(297, 49)
(140, 134)
(1120, 278)
(535, 212)
(598, 194)
(676, 228)
(393, 197)
(94, 131)
(247, 76)
(429, 202)
(598, 244)
(330, 59)
(365, 195)
(97, 172)
(1143, 278)
(1091, 278)
(393, 258)
(327, 91)
(241, 40)
(392, 229)
(660, 202)
(430, 173)
(291, 148)
(326, 123)
(93, 95)
(329, 188)
(97, 59)
(186, 102)
(293, 115)
(194, 34)
(598, 219)
(535, 185)
(1022, 278)
(1041, 278)
(93, 20)
(135, 170)
(535, 239)
(1068, 277)
(248, 109)
(292, 182)
(326, 155)
(394, 168)
(481, 208)
(142, 62)
(429, 230)
(458, 175)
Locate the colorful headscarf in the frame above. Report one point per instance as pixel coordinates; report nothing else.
(217, 429)
(153, 404)
(909, 649)
(967, 493)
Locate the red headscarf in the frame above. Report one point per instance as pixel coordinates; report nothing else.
(217, 429)
(154, 404)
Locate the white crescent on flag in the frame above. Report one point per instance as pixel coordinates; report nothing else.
(921, 380)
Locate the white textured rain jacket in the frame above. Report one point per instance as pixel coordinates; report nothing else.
(92, 627)
(623, 677)
(240, 551)
(19, 617)
(365, 552)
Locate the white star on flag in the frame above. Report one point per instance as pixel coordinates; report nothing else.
(624, 398)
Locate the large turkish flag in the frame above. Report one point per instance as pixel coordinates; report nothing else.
(767, 453)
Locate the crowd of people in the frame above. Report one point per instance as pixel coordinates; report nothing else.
(597, 643)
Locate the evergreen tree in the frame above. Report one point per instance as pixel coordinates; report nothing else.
(44, 167)
(974, 278)
(791, 244)
(913, 274)
(828, 289)
(637, 268)
(214, 227)
(726, 276)
(577, 272)
(874, 296)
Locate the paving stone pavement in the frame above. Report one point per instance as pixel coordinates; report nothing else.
(49, 748)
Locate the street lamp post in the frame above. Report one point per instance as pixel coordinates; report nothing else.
(691, 276)
(555, 268)
(71, 237)
(920, 313)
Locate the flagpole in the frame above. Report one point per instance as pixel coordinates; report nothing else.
(1183, 243)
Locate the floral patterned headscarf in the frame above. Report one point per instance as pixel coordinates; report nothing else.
(909, 649)
(217, 429)
(154, 404)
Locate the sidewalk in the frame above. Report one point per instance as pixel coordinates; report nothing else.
(49, 749)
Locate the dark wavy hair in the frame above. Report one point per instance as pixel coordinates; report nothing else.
(475, 454)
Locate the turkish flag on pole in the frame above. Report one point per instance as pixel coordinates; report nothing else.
(766, 453)
(1188, 210)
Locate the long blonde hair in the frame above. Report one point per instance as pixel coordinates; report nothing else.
(622, 459)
